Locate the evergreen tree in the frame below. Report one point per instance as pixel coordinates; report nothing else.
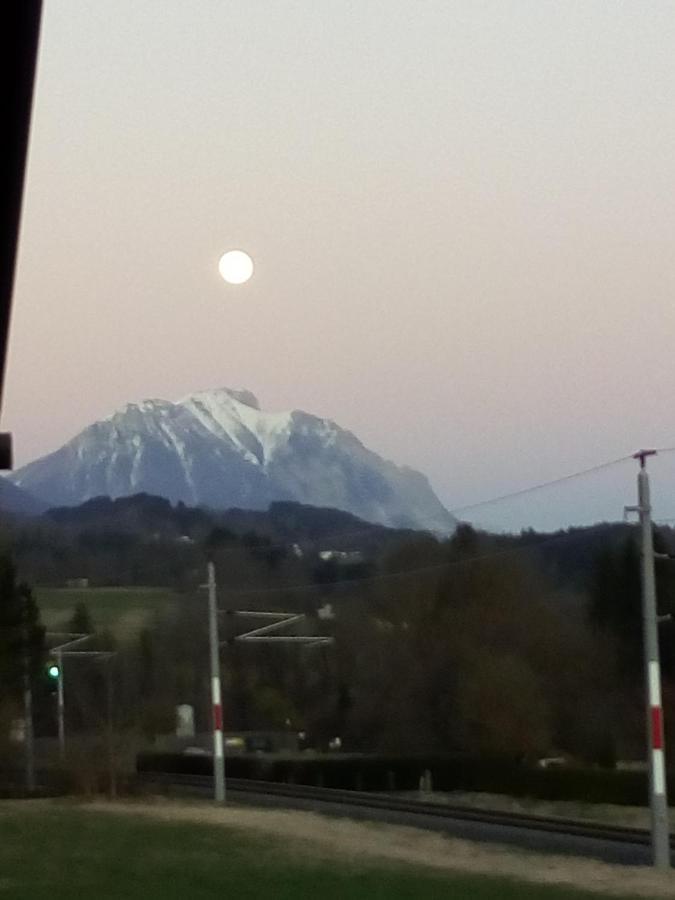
(616, 600)
(80, 621)
(22, 637)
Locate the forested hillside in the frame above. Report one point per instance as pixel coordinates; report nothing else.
(520, 645)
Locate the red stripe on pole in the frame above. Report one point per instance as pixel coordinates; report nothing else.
(657, 728)
(218, 717)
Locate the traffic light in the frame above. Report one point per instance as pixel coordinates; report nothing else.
(53, 670)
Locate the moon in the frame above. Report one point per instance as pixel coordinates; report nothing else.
(235, 266)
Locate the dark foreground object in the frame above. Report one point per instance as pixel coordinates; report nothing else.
(19, 36)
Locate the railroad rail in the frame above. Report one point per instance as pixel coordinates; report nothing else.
(553, 834)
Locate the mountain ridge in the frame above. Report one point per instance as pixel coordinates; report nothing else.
(218, 448)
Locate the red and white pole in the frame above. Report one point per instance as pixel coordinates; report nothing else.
(656, 728)
(216, 700)
(656, 744)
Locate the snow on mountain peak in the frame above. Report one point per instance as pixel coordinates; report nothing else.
(237, 416)
(241, 396)
(220, 449)
(142, 407)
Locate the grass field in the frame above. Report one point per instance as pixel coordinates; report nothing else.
(122, 610)
(54, 852)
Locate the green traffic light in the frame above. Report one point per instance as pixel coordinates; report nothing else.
(53, 671)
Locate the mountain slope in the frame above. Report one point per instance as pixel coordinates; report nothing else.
(219, 449)
(17, 501)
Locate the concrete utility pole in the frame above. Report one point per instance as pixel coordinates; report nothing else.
(28, 729)
(216, 701)
(60, 706)
(655, 731)
(28, 735)
(109, 728)
(279, 621)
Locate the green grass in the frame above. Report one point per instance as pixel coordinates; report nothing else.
(124, 611)
(57, 852)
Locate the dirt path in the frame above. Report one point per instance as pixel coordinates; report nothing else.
(328, 838)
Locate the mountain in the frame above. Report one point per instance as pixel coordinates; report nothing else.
(17, 501)
(219, 449)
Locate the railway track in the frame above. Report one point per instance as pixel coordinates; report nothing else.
(610, 843)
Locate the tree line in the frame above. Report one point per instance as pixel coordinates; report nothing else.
(494, 645)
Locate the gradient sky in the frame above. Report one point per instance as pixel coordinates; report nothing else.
(462, 216)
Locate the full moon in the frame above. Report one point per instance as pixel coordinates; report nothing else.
(235, 266)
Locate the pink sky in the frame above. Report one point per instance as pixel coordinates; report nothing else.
(462, 217)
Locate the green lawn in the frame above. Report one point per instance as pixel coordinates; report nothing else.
(122, 610)
(60, 852)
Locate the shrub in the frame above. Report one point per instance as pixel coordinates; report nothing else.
(452, 773)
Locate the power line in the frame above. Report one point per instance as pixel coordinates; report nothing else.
(521, 492)
(544, 484)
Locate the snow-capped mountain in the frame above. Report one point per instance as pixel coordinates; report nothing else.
(219, 449)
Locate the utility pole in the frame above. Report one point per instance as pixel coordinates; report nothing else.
(109, 728)
(216, 701)
(277, 622)
(28, 735)
(60, 706)
(28, 730)
(655, 730)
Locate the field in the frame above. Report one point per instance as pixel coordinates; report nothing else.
(54, 851)
(124, 611)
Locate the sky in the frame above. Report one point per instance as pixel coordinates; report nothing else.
(462, 215)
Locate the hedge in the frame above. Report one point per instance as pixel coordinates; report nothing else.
(450, 773)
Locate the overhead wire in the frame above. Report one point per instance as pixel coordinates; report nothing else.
(406, 573)
(540, 486)
(456, 511)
